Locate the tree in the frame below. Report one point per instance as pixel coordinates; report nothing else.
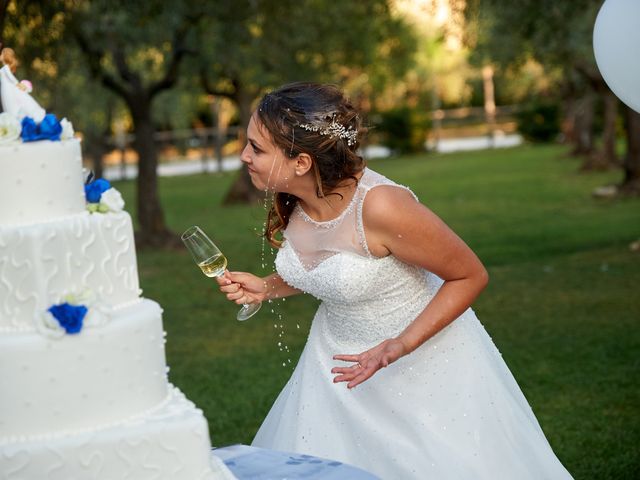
(135, 49)
(558, 36)
(271, 42)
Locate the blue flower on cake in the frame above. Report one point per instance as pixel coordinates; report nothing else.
(48, 129)
(102, 197)
(9, 128)
(72, 313)
(94, 190)
(69, 316)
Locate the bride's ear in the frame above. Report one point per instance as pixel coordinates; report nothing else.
(303, 164)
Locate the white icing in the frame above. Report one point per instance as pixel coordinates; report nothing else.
(101, 375)
(39, 264)
(169, 443)
(40, 181)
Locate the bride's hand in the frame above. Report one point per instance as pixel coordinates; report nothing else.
(369, 362)
(242, 288)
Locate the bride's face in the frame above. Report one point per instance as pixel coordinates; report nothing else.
(268, 167)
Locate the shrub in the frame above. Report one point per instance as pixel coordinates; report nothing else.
(539, 122)
(403, 130)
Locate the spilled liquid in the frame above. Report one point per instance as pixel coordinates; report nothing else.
(268, 267)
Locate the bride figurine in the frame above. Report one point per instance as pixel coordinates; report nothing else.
(15, 95)
(433, 398)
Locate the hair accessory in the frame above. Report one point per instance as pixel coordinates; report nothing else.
(333, 129)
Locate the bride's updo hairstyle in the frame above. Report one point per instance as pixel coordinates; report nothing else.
(318, 120)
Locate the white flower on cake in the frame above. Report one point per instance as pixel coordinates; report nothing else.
(67, 129)
(84, 297)
(98, 313)
(48, 326)
(112, 200)
(10, 128)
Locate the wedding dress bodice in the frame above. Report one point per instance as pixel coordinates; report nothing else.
(366, 298)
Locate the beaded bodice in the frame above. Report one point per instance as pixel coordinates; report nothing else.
(365, 299)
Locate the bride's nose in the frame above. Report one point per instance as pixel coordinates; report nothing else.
(244, 155)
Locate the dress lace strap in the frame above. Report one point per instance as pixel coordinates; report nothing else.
(372, 180)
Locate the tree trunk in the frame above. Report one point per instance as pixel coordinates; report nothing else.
(152, 227)
(606, 158)
(631, 183)
(242, 190)
(583, 126)
(95, 147)
(609, 133)
(568, 121)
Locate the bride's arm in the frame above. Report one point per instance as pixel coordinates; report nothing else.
(396, 224)
(242, 287)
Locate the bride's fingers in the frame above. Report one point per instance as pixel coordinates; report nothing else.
(245, 299)
(232, 288)
(350, 369)
(223, 281)
(363, 375)
(345, 377)
(347, 358)
(235, 296)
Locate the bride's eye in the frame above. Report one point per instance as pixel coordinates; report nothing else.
(255, 149)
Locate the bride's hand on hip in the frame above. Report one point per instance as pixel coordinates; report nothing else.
(242, 287)
(368, 363)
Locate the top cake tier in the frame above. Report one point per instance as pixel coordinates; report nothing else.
(40, 181)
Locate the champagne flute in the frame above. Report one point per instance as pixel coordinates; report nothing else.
(212, 262)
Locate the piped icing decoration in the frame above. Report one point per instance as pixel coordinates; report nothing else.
(102, 197)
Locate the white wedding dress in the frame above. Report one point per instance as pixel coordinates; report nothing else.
(15, 101)
(449, 410)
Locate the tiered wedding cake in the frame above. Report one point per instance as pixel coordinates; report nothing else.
(84, 392)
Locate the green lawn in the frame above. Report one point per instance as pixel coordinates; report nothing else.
(563, 304)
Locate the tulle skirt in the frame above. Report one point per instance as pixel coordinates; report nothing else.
(449, 410)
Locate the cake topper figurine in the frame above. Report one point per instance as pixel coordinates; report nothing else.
(16, 99)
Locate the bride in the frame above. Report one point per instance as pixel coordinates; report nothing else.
(15, 97)
(398, 376)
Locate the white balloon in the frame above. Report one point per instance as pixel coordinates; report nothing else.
(616, 45)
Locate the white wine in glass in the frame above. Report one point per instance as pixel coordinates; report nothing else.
(212, 262)
(214, 266)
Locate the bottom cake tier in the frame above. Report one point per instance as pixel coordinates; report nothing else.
(168, 443)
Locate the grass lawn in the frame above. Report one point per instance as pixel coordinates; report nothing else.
(563, 304)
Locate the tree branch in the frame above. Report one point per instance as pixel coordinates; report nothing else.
(94, 57)
(592, 75)
(211, 90)
(117, 51)
(179, 51)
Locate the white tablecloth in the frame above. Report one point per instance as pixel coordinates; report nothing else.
(254, 463)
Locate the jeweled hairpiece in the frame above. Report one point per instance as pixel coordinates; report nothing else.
(333, 129)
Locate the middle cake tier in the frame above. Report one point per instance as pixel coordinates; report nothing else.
(102, 375)
(47, 261)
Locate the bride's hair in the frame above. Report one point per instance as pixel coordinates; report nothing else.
(318, 120)
(8, 57)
